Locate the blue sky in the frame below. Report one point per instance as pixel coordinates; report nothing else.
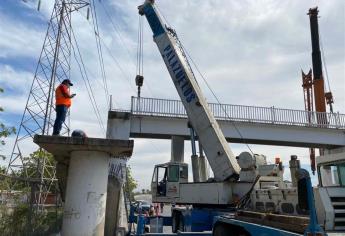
(251, 52)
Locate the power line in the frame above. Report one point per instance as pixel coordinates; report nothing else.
(87, 82)
(118, 32)
(127, 76)
(113, 58)
(99, 48)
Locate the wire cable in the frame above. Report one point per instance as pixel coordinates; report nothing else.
(325, 65)
(208, 86)
(140, 48)
(99, 49)
(127, 76)
(218, 101)
(118, 32)
(86, 81)
(113, 57)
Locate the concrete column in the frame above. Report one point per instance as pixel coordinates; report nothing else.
(84, 211)
(118, 128)
(202, 165)
(294, 165)
(118, 125)
(195, 168)
(177, 149)
(113, 199)
(115, 220)
(87, 176)
(203, 168)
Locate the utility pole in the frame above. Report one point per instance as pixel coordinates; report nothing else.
(53, 67)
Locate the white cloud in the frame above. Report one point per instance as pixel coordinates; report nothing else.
(17, 80)
(19, 39)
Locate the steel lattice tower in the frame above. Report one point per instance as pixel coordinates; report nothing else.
(38, 118)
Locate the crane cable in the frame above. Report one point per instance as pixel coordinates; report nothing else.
(140, 49)
(218, 101)
(122, 41)
(209, 87)
(324, 64)
(121, 70)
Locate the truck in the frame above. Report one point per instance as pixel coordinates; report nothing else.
(244, 188)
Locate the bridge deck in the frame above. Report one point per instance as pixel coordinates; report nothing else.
(161, 119)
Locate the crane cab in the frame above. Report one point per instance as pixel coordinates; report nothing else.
(166, 180)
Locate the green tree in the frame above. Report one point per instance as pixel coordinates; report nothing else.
(36, 160)
(131, 183)
(5, 131)
(21, 219)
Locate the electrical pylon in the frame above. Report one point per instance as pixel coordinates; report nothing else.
(53, 67)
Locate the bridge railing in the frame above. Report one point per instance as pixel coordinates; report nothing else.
(271, 115)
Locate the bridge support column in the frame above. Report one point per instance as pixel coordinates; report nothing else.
(87, 162)
(203, 172)
(115, 218)
(118, 127)
(196, 168)
(203, 168)
(177, 149)
(84, 210)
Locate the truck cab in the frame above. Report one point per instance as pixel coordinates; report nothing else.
(330, 194)
(166, 179)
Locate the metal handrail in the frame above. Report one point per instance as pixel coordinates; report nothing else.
(243, 113)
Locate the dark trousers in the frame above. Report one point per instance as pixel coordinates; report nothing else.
(61, 111)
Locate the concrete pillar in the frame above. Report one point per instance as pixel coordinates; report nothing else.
(203, 168)
(115, 221)
(294, 165)
(86, 192)
(177, 149)
(202, 165)
(118, 125)
(84, 211)
(113, 198)
(195, 168)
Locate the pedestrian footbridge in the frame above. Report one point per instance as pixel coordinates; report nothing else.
(162, 119)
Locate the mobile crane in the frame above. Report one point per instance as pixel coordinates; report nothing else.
(230, 184)
(222, 160)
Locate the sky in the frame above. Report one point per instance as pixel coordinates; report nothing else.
(251, 53)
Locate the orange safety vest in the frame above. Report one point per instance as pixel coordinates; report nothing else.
(60, 98)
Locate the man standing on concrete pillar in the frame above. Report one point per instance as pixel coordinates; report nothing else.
(63, 101)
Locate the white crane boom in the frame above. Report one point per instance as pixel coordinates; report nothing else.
(222, 161)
